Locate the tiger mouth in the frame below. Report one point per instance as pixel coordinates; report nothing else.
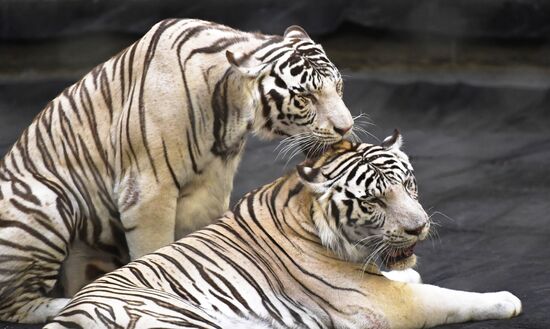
(396, 255)
(315, 150)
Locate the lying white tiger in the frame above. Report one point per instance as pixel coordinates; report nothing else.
(144, 148)
(291, 255)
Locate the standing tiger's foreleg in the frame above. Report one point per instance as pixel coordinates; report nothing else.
(148, 215)
(205, 198)
(424, 306)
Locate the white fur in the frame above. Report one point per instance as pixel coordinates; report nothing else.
(407, 275)
(452, 306)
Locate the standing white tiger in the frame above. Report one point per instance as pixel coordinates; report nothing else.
(144, 148)
(291, 256)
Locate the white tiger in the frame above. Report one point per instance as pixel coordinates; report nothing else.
(144, 148)
(292, 255)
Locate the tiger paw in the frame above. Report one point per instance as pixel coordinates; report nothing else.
(500, 305)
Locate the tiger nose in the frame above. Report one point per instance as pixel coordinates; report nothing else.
(342, 131)
(416, 231)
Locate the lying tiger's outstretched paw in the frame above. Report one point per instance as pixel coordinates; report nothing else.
(498, 305)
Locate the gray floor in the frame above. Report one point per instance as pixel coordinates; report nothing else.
(480, 144)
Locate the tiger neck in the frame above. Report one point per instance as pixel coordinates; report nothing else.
(233, 114)
(306, 222)
(298, 213)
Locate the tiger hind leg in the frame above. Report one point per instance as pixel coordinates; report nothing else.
(27, 284)
(38, 310)
(33, 244)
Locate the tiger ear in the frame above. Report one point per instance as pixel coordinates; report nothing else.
(393, 142)
(312, 178)
(237, 62)
(296, 32)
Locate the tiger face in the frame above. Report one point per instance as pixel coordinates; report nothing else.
(299, 91)
(369, 202)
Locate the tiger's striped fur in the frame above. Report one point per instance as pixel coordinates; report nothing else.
(291, 255)
(144, 148)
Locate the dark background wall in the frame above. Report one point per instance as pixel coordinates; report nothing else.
(466, 81)
(33, 19)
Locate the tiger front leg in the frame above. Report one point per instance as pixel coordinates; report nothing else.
(442, 306)
(148, 215)
(424, 306)
(205, 198)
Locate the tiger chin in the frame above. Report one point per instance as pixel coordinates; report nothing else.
(144, 148)
(297, 253)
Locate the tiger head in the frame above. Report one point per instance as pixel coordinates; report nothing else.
(366, 204)
(297, 90)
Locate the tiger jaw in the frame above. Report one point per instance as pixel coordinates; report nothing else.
(318, 146)
(402, 264)
(392, 254)
(403, 257)
(400, 259)
(392, 258)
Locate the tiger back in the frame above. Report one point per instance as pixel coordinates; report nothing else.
(144, 148)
